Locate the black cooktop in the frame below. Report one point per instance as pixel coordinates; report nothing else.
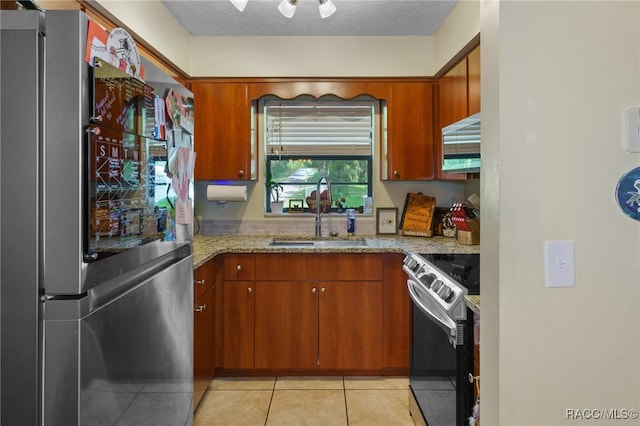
(463, 268)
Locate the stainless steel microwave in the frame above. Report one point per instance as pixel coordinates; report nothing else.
(461, 146)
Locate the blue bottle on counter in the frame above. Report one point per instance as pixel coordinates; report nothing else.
(351, 221)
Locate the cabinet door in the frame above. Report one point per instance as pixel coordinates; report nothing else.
(473, 66)
(239, 267)
(409, 144)
(396, 314)
(223, 131)
(203, 279)
(453, 100)
(351, 325)
(286, 324)
(203, 343)
(238, 324)
(453, 95)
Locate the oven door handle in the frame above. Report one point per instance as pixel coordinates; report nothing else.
(446, 323)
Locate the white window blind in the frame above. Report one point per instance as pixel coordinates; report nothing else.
(319, 127)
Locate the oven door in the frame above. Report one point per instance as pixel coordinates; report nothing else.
(423, 300)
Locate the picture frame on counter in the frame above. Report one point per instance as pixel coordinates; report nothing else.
(296, 205)
(386, 220)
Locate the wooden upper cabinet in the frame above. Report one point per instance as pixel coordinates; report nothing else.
(458, 98)
(409, 146)
(453, 95)
(473, 67)
(222, 138)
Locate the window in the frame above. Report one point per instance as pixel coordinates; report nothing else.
(308, 139)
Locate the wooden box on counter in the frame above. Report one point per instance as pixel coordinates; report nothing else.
(470, 238)
(417, 216)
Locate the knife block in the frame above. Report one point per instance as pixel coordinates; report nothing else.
(470, 238)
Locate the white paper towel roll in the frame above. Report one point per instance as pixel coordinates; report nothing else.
(227, 192)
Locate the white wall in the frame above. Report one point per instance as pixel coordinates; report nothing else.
(312, 56)
(379, 56)
(462, 25)
(556, 77)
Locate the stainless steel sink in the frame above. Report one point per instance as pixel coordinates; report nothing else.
(354, 242)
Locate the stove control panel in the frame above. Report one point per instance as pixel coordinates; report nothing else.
(441, 289)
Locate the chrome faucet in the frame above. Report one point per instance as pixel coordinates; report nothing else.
(319, 206)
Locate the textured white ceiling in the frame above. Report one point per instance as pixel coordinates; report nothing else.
(352, 18)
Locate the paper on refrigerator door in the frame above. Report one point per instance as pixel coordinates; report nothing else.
(181, 165)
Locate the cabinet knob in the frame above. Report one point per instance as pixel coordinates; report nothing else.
(240, 173)
(249, 289)
(396, 173)
(201, 308)
(200, 282)
(323, 290)
(314, 290)
(239, 267)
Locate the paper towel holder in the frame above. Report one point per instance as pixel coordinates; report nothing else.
(222, 193)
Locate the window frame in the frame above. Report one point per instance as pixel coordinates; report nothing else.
(376, 109)
(369, 184)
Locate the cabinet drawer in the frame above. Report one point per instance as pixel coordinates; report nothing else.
(319, 266)
(238, 267)
(203, 279)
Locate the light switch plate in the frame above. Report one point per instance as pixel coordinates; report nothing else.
(559, 263)
(632, 125)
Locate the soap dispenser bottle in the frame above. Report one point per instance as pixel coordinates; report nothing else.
(351, 221)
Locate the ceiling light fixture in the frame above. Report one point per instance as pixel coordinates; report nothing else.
(326, 8)
(288, 7)
(240, 4)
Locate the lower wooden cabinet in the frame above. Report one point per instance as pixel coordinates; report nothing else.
(204, 343)
(204, 328)
(286, 324)
(316, 312)
(351, 325)
(311, 325)
(238, 341)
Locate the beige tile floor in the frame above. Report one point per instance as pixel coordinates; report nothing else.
(326, 401)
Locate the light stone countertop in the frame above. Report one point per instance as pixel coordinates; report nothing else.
(206, 247)
(473, 302)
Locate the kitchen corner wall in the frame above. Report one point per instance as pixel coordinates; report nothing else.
(556, 80)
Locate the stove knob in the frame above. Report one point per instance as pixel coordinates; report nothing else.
(428, 279)
(410, 262)
(449, 296)
(444, 292)
(436, 285)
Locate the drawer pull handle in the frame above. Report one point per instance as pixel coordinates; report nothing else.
(200, 282)
(239, 267)
(201, 308)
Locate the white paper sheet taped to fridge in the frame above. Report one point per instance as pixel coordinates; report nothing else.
(227, 192)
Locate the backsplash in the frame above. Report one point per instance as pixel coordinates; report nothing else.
(365, 225)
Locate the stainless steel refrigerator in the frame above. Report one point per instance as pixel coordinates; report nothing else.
(96, 304)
